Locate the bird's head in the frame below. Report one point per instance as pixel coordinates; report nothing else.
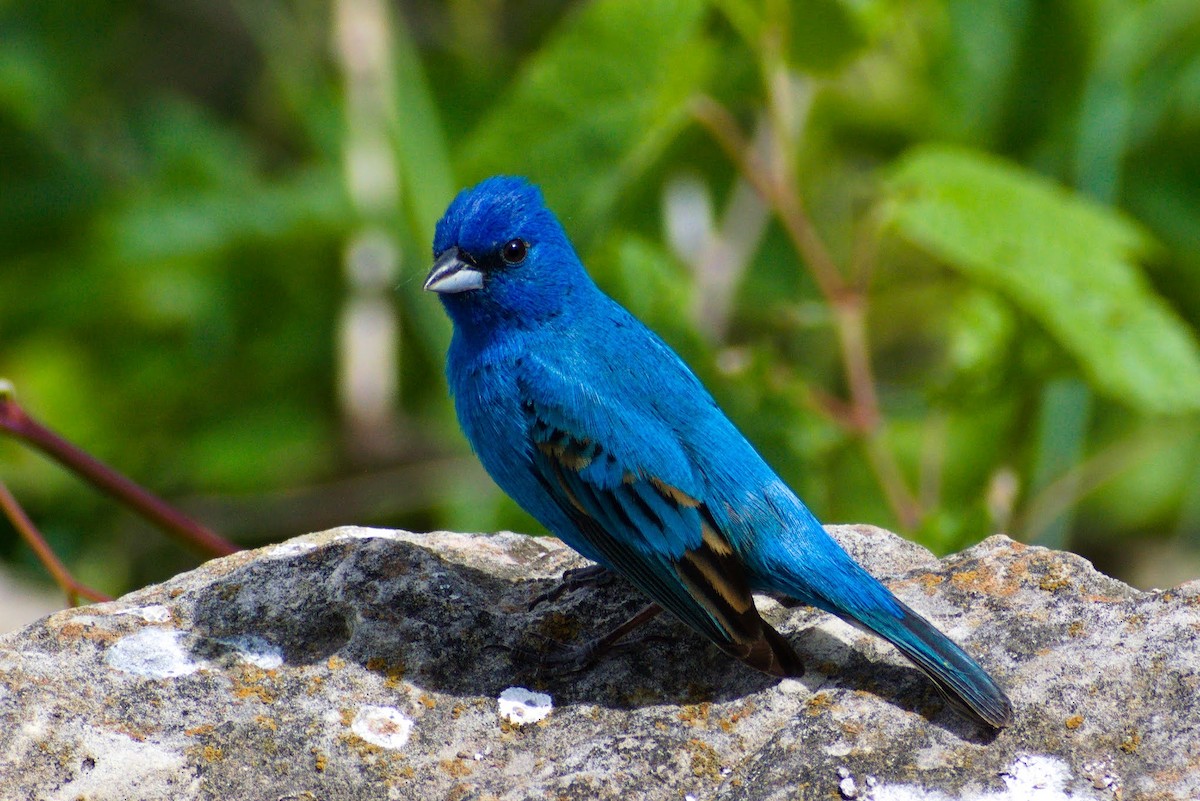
(502, 258)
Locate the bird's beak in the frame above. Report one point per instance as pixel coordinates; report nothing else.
(454, 271)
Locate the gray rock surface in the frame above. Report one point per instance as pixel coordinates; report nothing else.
(363, 664)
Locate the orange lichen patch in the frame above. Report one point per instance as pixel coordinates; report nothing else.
(335, 662)
(706, 763)
(457, 768)
(426, 700)
(930, 582)
(253, 681)
(729, 721)
(212, 753)
(200, 731)
(1131, 742)
(853, 728)
(984, 582)
(1076, 629)
(266, 722)
(86, 631)
(696, 714)
(461, 792)
(257, 690)
(818, 704)
(393, 672)
(320, 759)
(1073, 722)
(457, 710)
(363, 748)
(1054, 581)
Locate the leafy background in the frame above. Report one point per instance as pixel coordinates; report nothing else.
(953, 289)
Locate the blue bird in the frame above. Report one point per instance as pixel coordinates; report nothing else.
(600, 431)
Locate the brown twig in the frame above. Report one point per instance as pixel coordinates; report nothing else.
(775, 183)
(34, 539)
(17, 422)
(776, 193)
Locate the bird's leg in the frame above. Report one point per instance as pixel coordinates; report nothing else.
(575, 579)
(587, 654)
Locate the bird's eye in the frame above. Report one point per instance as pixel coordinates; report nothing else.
(514, 251)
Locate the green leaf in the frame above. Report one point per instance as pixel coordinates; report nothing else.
(824, 35)
(164, 226)
(597, 104)
(1069, 263)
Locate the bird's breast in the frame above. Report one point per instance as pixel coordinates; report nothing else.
(487, 402)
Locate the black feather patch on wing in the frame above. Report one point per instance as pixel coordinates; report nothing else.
(705, 585)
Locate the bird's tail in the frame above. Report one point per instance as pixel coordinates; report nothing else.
(965, 684)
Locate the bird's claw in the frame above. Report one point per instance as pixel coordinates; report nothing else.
(572, 580)
(557, 657)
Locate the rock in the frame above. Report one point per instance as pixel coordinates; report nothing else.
(363, 664)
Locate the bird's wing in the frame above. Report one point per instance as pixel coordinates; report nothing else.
(617, 474)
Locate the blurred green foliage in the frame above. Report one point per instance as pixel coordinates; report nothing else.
(1015, 183)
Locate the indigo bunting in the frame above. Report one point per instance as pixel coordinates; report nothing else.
(600, 431)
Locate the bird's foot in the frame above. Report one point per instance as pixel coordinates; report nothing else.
(560, 658)
(572, 580)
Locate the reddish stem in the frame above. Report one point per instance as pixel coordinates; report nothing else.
(17, 422)
(35, 540)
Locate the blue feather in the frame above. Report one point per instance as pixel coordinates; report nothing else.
(600, 431)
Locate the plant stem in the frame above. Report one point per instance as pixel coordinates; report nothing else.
(847, 302)
(28, 531)
(17, 422)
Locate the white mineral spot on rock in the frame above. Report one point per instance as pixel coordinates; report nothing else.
(120, 766)
(151, 614)
(521, 706)
(1029, 778)
(791, 686)
(359, 533)
(290, 549)
(151, 652)
(384, 726)
(255, 650)
(1037, 778)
